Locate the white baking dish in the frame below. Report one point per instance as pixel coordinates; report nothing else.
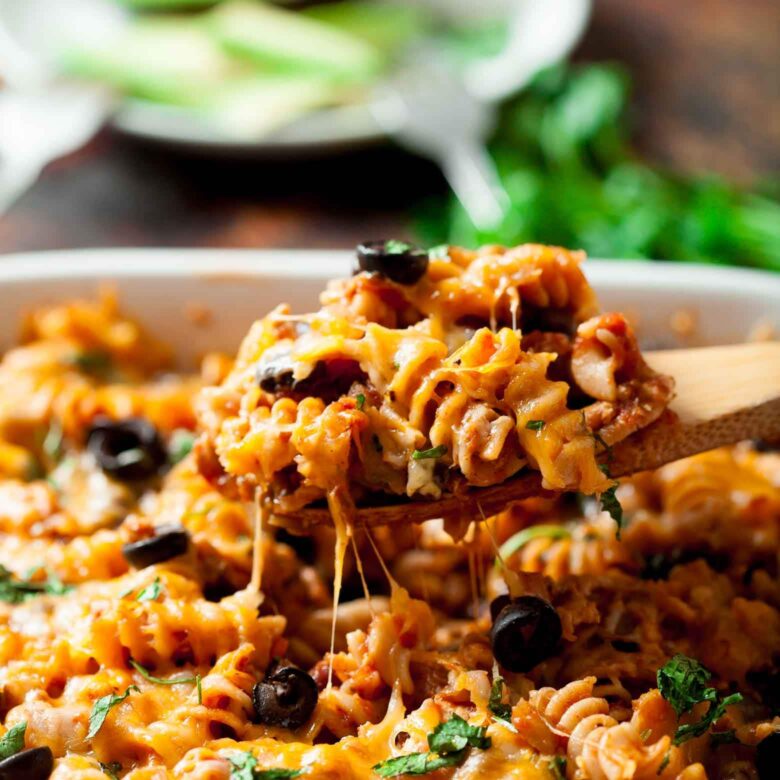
(166, 289)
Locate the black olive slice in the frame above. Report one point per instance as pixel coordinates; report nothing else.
(33, 764)
(398, 261)
(130, 450)
(498, 603)
(525, 633)
(285, 698)
(768, 756)
(168, 542)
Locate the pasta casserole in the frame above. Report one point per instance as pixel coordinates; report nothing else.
(163, 618)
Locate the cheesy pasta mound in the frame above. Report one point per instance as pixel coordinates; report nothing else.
(139, 641)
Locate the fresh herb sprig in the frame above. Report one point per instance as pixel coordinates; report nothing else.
(13, 740)
(103, 706)
(196, 678)
(151, 592)
(17, 591)
(496, 703)
(564, 155)
(449, 743)
(611, 503)
(243, 766)
(682, 681)
(433, 452)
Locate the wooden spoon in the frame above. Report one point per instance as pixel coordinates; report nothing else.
(723, 395)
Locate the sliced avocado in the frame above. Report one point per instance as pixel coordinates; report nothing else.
(287, 41)
(387, 26)
(170, 60)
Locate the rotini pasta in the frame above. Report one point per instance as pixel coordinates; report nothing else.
(149, 632)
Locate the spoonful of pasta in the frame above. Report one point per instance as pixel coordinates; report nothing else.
(450, 382)
(724, 395)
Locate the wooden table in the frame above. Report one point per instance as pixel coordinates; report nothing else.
(706, 74)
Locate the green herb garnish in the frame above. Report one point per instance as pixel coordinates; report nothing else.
(160, 681)
(682, 681)
(417, 764)
(395, 247)
(456, 734)
(360, 401)
(15, 591)
(664, 763)
(13, 740)
(439, 252)
(243, 766)
(112, 770)
(496, 701)
(102, 706)
(535, 425)
(180, 445)
(609, 501)
(521, 538)
(90, 361)
(448, 742)
(151, 592)
(557, 766)
(572, 176)
(433, 452)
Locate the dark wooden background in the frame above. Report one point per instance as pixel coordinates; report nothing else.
(707, 98)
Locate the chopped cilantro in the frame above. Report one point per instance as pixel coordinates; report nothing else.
(609, 501)
(102, 707)
(14, 591)
(611, 504)
(535, 425)
(243, 766)
(557, 766)
(664, 763)
(439, 252)
(456, 734)
(682, 681)
(495, 703)
(433, 452)
(161, 681)
(521, 538)
(360, 401)
(112, 770)
(150, 592)
(180, 445)
(448, 743)
(417, 763)
(90, 361)
(13, 740)
(395, 247)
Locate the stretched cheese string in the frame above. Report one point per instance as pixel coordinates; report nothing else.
(359, 564)
(342, 510)
(261, 509)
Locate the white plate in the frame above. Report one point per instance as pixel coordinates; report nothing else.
(39, 29)
(161, 287)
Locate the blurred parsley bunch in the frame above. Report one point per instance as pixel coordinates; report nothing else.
(564, 156)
